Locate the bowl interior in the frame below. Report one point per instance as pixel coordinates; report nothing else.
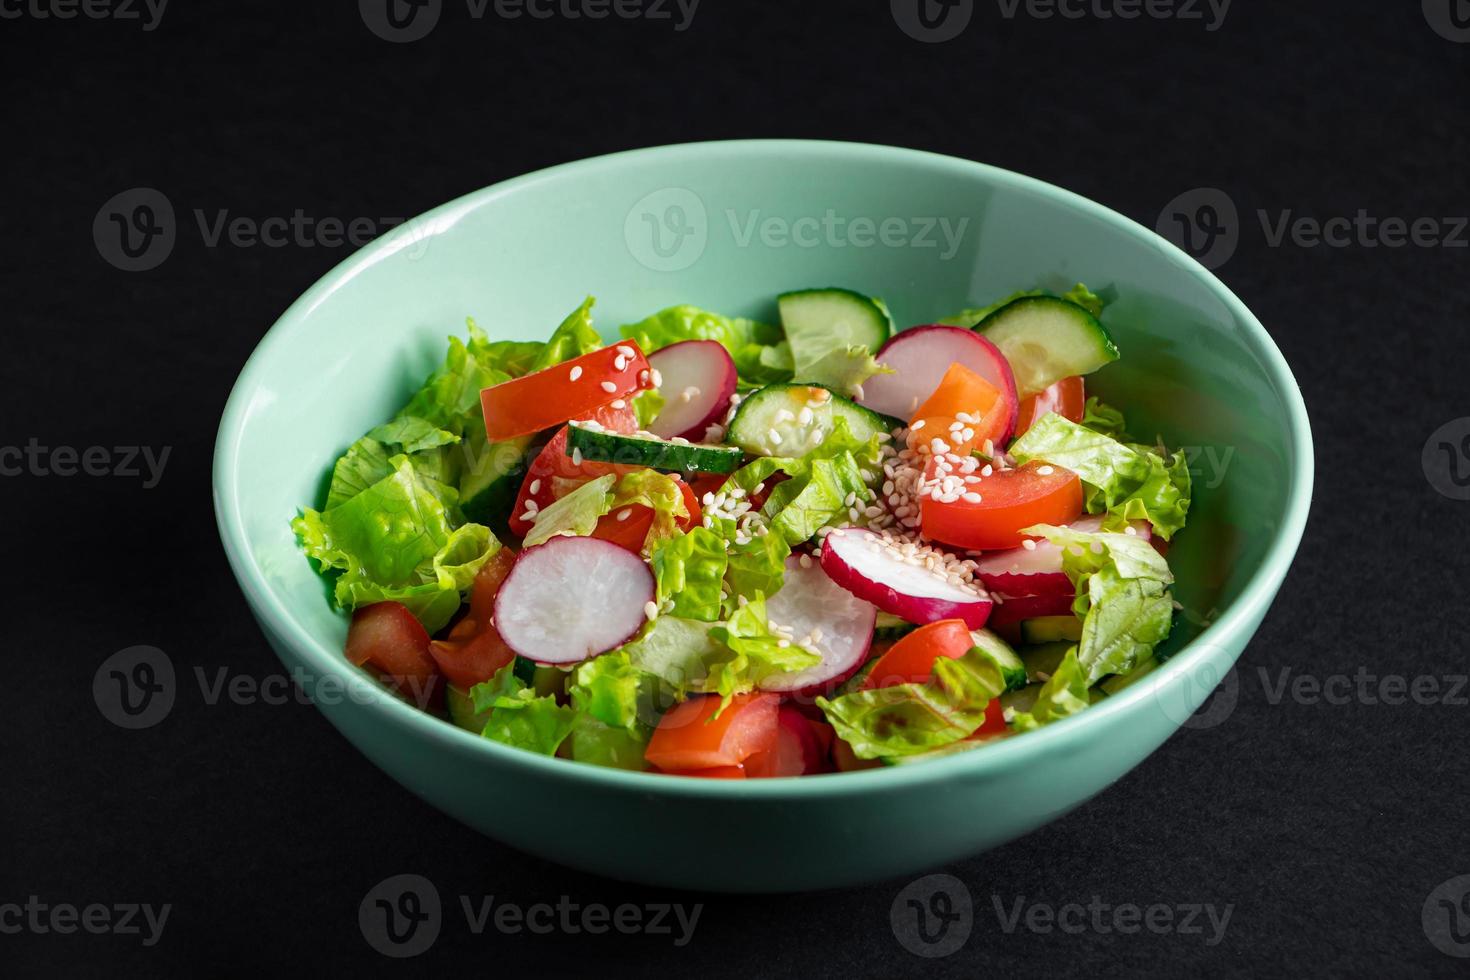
(728, 226)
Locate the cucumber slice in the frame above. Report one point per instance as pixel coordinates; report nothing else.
(1042, 661)
(646, 449)
(819, 321)
(1046, 339)
(462, 710)
(1051, 629)
(1011, 667)
(488, 488)
(792, 420)
(889, 627)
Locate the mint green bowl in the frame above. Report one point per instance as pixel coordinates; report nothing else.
(1197, 368)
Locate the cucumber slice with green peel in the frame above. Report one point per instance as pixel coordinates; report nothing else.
(1011, 666)
(1051, 629)
(793, 419)
(1046, 339)
(492, 476)
(462, 710)
(646, 449)
(819, 321)
(1042, 661)
(890, 627)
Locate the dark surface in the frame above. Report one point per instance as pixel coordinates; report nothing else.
(1325, 826)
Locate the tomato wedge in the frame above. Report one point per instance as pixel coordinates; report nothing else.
(962, 392)
(628, 526)
(994, 723)
(474, 651)
(553, 474)
(689, 736)
(387, 637)
(1009, 501)
(798, 750)
(570, 390)
(911, 659)
(1067, 397)
(714, 772)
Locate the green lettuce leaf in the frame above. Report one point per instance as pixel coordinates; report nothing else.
(514, 358)
(1101, 417)
(844, 370)
(753, 653)
(368, 459)
(520, 718)
(616, 705)
(1063, 695)
(401, 539)
(1126, 482)
(572, 338)
(677, 651)
(758, 565)
(577, 513)
(689, 570)
(1122, 597)
(647, 404)
(450, 399)
(906, 719)
(760, 354)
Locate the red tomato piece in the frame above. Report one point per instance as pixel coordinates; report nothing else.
(553, 474)
(474, 651)
(911, 659)
(689, 736)
(1067, 397)
(570, 390)
(631, 531)
(1009, 501)
(387, 637)
(994, 723)
(714, 772)
(797, 751)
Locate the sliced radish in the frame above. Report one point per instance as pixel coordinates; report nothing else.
(864, 564)
(1038, 571)
(808, 601)
(919, 357)
(572, 598)
(697, 378)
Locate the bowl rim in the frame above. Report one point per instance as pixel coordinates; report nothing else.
(327, 663)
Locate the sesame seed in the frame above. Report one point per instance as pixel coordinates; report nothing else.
(806, 561)
(805, 416)
(625, 351)
(619, 403)
(650, 609)
(576, 372)
(1029, 545)
(643, 376)
(774, 436)
(917, 426)
(783, 644)
(576, 456)
(529, 515)
(620, 363)
(658, 379)
(535, 486)
(609, 387)
(625, 513)
(1044, 471)
(1130, 529)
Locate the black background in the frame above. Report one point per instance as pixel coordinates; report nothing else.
(1326, 826)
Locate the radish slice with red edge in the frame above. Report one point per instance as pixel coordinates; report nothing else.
(867, 565)
(572, 598)
(697, 378)
(919, 357)
(808, 601)
(1014, 609)
(1038, 571)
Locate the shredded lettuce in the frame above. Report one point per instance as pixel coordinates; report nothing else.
(520, 718)
(572, 338)
(577, 513)
(401, 539)
(688, 570)
(758, 565)
(905, 719)
(759, 350)
(1101, 417)
(844, 370)
(368, 459)
(753, 653)
(675, 650)
(450, 399)
(616, 709)
(1128, 483)
(1122, 596)
(1063, 695)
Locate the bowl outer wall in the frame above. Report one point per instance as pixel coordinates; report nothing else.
(774, 834)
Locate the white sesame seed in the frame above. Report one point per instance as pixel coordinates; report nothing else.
(625, 513)
(535, 486)
(619, 403)
(625, 351)
(620, 363)
(1130, 529)
(650, 609)
(658, 379)
(917, 425)
(609, 387)
(576, 372)
(774, 436)
(576, 456)
(1044, 471)
(1029, 545)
